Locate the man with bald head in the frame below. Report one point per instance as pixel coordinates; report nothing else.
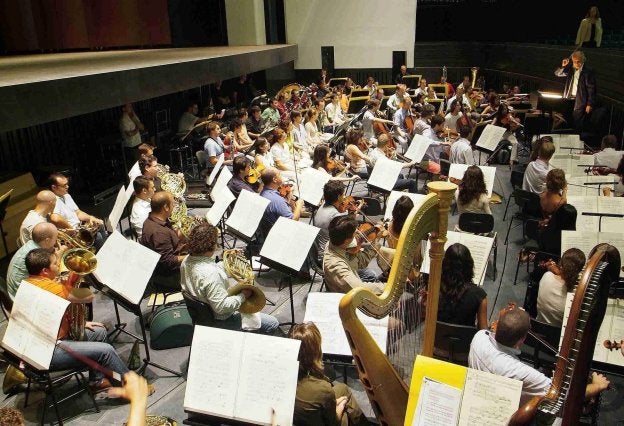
(43, 236)
(46, 201)
(278, 206)
(159, 236)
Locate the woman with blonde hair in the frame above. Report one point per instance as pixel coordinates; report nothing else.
(318, 401)
(589, 33)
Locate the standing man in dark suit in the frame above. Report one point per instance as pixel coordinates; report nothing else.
(580, 86)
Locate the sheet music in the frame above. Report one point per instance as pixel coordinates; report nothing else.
(587, 204)
(123, 196)
(611, 205)
(394, 197)
(221, 183)
(488, 399)
(215, 169)
(134, 172)
(566, 141)
(479, 246)
(125, 266)
(385, 173)
(322, 310)
(616, 239)
(247, 213)
(582, 240)
(457, 171)
(221, 204)
(576, 187)
(34, 324)
(289, 242)
(418, 147)
(612, 328)
(490, 137)
(438, 404)
(311, 185)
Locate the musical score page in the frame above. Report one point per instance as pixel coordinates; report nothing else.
(587, 204)
(322, 310)
(394, 197)
(587, 240)
(125, 266)
(123, 196)
(385, 173)
(34, 324)
(247, 213)
(488, 399)
(221, 204)
(215, 170)
(438, 404)
(289, 242)
(611, 205)
(224, 177)
(418, 147)
(134, 172)
(565, 141)
(490, 137)
(457, 171)
(576, 185)
(312, 183)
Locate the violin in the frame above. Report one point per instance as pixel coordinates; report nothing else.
(254, 174)
(509, 307)
(350, 205)
(335, 167)
(366, 233)
(612, 345)
(285, 190)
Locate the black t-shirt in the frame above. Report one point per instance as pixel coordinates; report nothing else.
(464, 310)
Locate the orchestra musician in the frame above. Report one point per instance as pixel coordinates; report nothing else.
(472, 195)
(321, 160)
(504, 118)
(432, 155)
(141, 207)
(422, 88)
(536, 171)
(370, 117)
(394, 101)
(401, 118)
(403, 71)
(384, 150)
(255, 122)
(334, 111)
(461, 150)
(241, 168)
(214, 145)
(454, 114)
(148, 166)
(356, 152)
(608, 156)
(279, 205)
(46, 201)
(370, 86)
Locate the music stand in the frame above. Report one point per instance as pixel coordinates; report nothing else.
(356, 104)
(601, 215)
(554, 102)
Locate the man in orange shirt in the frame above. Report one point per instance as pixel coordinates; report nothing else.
(43, 267)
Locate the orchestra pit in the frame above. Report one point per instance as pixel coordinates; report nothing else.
(285, 212)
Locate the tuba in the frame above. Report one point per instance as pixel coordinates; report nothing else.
(238, 267)
(473, 73)
(79, 262)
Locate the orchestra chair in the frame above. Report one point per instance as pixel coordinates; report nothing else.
(452, 342)
(5, 300)
(480, 224)
(317, 267)
(528, 210)
(537, 351)
(535, 276)
(200, 312)
(165, 285)
(516, 179)
(50, 382)
(202, 161)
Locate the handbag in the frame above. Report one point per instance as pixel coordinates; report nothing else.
(171, 326)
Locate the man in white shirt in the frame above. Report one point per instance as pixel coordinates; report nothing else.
(334, 111)
(536, 171)
(399, 120)
(130, 127)
(46, 201)
(394, 102)
(422, 87)
(608, 156)
(369, 118)
(141, 207)
(432, 155)
(461, 151)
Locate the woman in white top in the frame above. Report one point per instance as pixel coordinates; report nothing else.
(472, 196)
(450, 120)
(354, 155)
(555, 285)
(282, 156)
(589, 33)
(311, 128)
(264, 158)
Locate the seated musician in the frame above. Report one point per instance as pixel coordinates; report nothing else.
(403, 133)
(472, 195)
(450, 90)
(504, 118)
(422, 88)
(44, 235)
(497, 353)
(536, 171)
(554, 286)
(461, 98)
(465, 84)
(432, 155)
(281, 106)
(370, 117)
(403, 71)
(461, 150)
(214, 146)
(394, 101)
(321, 160)
(383, 149)
(492, 106)
(344, 259)
(46, 201)
(159, 236)
(378, 94)
(240, 139)
(318, 400)
(608, 156)
(263, 157)
(205, 279)
(301, 141)
(144, 149)
(334, 111)
(322, 120)
(43, 269)
(423, 122)
(279, 206)
(255, 122)
(283, 158)
(554, 194)
(454, 114)
(371, 86)
(271, 114)
(241, 167)
(141, 207)
(311, 127)
(189, 118)
(356, 153)
(461, 300)
(66, 213)
(148, 165)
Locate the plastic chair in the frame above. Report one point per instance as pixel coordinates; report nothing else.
(452, 342)
(482, 224)
(516, 179)
(201, 313)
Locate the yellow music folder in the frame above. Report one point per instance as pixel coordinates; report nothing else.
(442, 393)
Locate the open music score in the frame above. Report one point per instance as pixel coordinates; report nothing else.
(418, 147)
(312, 183)
(322, 310)
(242, 376)
(587, 240)
(489, 173)
(612, 328)
(289, 242)
(213, 173)
(596, 204)
(223, 200)
(490, 137)
(569, 163)
(588, 185)
(125, 266)
(394, 197)
(564, 142)
(442, 393)
(479, 246)
(123, 196)
(34, 324)
(385, 173)
(224, 177)
(247, 213)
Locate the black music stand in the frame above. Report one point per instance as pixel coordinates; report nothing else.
(119, 327)
(601, 215)
(287, 280)
(551, 103)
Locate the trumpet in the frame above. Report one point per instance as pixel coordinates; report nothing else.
(79, 262)
(238, 267)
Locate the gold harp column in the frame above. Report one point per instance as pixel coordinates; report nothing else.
(445, 192)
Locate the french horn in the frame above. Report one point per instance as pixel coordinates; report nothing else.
(238, 267)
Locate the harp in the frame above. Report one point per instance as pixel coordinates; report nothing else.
(566, 395)
(386, 389)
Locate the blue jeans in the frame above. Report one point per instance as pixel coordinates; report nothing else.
(268, 323)
(367, 275)
(94, 347)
